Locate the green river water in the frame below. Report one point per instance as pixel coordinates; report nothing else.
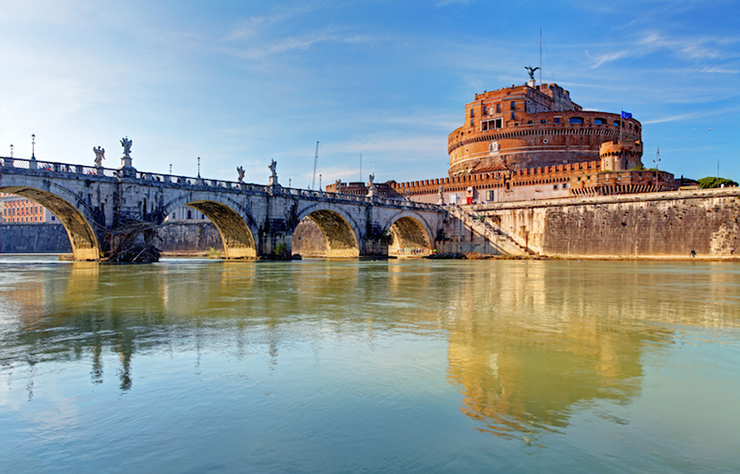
(369, 366)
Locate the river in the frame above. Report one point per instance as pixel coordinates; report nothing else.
(369, 366)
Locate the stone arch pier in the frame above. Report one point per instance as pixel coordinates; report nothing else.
(78, 219)
(229, 218)
(410, 236)
(339, 233)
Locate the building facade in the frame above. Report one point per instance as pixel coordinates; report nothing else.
(15, 209)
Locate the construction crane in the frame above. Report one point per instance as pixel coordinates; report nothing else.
(315, 163)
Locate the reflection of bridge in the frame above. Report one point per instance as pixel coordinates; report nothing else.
(253, 220)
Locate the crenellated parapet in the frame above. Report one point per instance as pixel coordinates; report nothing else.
(620, 155)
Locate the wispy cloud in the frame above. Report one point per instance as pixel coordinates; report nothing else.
(303, 42)
(694, 115)
(685, 48)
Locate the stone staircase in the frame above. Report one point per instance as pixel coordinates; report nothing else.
(493, 233)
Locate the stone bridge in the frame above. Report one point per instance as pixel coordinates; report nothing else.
(253, 220)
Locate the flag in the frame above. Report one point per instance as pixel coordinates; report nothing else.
(626, 115)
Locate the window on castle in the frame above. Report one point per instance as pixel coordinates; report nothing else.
(472, 112)
(576, 120)
(599, 121)
(498, 107)
(491, 124)
(557, 119)
(543, 121)
(513, 105)
(513, 116)
(485, 109)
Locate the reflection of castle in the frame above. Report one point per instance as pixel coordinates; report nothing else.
(532, 142)
(527, 350)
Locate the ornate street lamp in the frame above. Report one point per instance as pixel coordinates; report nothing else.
(32, 164)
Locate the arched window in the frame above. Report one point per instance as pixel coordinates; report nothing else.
(576, 120)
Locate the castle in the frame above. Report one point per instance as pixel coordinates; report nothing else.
(530, 142)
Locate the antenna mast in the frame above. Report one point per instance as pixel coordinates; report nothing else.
(315, 163)
(540, 55)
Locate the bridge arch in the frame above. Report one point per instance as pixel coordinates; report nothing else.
(338, 228)
(410, 235)
(71, 211)
(232, 220)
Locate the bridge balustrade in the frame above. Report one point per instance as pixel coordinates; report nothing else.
(199, 183)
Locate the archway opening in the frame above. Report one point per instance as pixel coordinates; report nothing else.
(188, 232)
(409, 238)
(236, 237)
(325, 234)
(82, 237)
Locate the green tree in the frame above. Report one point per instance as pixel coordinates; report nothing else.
(715, 182)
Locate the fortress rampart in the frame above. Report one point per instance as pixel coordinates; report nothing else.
(662, 224)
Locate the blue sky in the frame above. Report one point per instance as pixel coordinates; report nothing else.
(241, 82)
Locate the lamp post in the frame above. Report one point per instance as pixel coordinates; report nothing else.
(199, 167)
(170, 168)
(11, 150)
(32, 165)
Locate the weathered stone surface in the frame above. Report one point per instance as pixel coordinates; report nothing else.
(655, 224)
(34, 238)
(253, 220)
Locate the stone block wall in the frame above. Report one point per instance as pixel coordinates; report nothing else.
(655, 224)
(180, 237)
(34, 238)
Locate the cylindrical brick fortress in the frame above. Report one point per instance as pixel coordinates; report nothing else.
(531, 126)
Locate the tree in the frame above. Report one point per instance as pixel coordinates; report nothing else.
(715, 182)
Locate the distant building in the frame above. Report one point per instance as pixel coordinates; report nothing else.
(186, 213)
(16, 209)
(533, 142)
(383, 190)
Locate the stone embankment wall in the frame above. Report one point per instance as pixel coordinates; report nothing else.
(654, 224)
(186, 237)
(178, 237)
(34, 238)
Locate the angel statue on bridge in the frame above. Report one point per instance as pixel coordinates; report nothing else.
(99, 155)
(240, 170)
(126, 143)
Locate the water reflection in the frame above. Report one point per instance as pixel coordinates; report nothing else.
(529, 342)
